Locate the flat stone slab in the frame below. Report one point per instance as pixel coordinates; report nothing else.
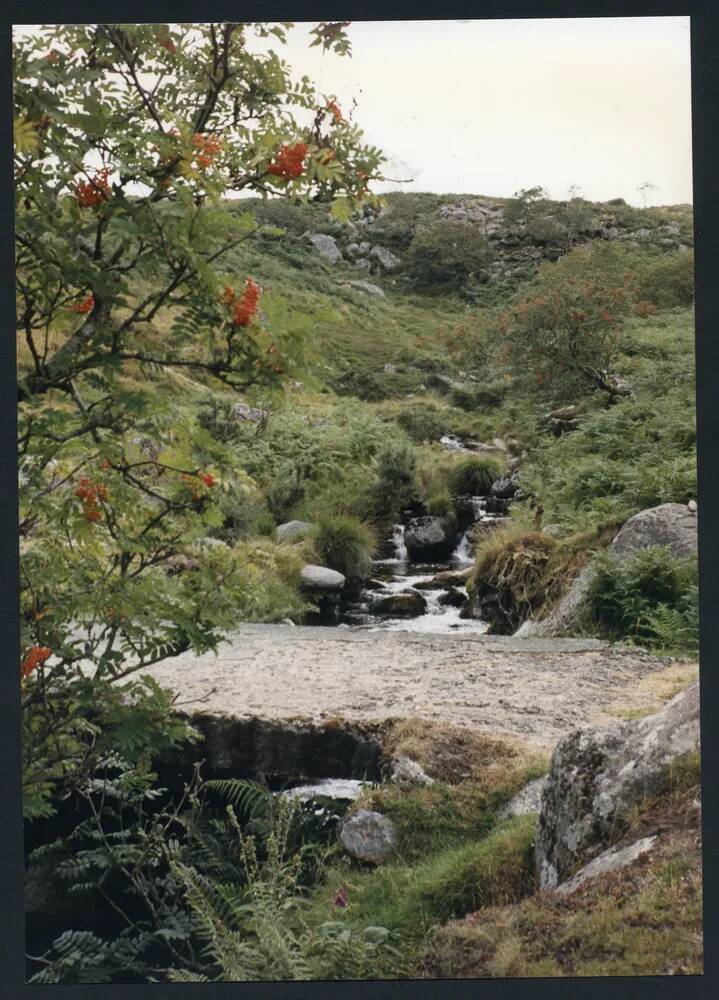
(534, 689)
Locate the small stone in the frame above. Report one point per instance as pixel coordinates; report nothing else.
(692, 506)
(321, 578)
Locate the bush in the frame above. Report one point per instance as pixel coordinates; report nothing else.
(669, 282)
(345, 544)
(447, 255)
(395, 486)
(421, 423)
(473, 476)
(651, 597)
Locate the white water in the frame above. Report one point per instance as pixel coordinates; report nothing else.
(330, 788)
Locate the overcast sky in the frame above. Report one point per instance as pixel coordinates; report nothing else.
(489, 107)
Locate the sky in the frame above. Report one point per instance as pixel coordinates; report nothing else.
(602, 105)
(489, 107)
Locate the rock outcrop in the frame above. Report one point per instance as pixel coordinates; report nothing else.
(527, 800)
(598, 775)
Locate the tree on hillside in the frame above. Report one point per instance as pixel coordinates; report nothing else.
(127, 140)
(566, 328)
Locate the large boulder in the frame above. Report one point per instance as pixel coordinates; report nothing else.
(597, 775)
(292, 531)
(369, 836)
(321, 578)
(429, 539)
(406, 604)
(326, 247)
(671, 524)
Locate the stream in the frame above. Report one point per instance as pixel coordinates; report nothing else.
(398, 574)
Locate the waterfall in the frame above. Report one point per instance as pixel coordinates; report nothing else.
(463, 555)
(400, 548)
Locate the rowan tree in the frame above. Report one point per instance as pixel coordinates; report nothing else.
(129, 139)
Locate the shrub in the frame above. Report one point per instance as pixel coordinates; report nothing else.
(650, 597)
(395, 485)
(447, 254)
(669, 282)
(473, 476)
(521, 576)
(345, 544)
(421, 423)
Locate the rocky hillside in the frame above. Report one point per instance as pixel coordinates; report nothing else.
(500, 241)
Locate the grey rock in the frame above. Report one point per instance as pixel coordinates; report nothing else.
(369, 836)
(452, 577)
(241, 411)
(291, 531)
(363, 264)
(408, 774)
(385, 258)
(527, 800)
(597, 775)
(406, 604)
(692, 506)
(326, 247)
(320, 578)
(364, 248)
(642, 233)
(430, 538)
(506, 487)
(609, 861)
(670, 524)
(352, 248)
(367, 287)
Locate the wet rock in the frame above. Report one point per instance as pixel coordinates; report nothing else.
(406, 604)
(670, 524)
(429, 539)
(407, 773)
(369, 836)
(452, 577)
(321, 578)
(597, 775)
(527, 800)
(452, 599)
(326, 247)
(609, 861)
(292, 531)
